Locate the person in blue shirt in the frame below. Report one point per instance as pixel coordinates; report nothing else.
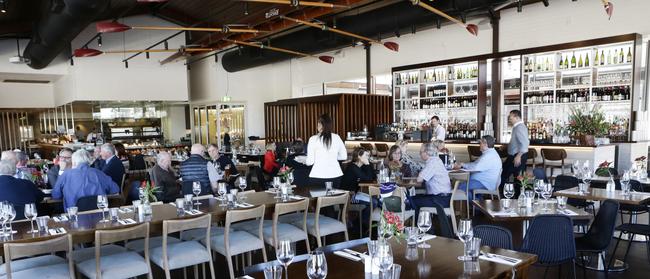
(485, 171)
(17, 191)
(82, 181)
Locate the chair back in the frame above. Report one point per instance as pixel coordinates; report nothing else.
(553, 154)
(367, 146)
(602, 229)
(540, 173)
(550, 237)
(474, 152)
(177, 225)
(233, 216)
(87, 203)
(446, 230)
(494, 236)
(290, 207)
(563, 182)
(27, 249)
(114, 235)
(532, 155)
(325, 201)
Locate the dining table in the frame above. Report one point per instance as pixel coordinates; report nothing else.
(438, 261)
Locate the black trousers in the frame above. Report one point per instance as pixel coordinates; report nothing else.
(509, 170)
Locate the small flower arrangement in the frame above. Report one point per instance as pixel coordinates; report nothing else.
(149, 191)
(392, 223)
(284, 173)
(640, 159)
(526, 181)
(604, 169)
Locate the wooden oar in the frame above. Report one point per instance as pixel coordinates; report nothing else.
(112, 26)
(326, 59)
(472, 28)
(300, 3)
(390, 45)
(609, 8)
(88, 52)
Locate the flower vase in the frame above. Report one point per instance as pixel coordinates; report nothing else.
(146, 206)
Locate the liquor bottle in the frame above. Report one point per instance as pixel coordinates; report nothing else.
(580, 64)
(602, 57)
(629, 55)
(450, 75)
(609, 58)
(587, 60)
(615, 58)
(621, 57)
(561, 65)
(573, 61)
(596, 60)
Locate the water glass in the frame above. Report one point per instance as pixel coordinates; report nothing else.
(188, 202)
(180, 206)
(273, 272)
(465, 234)
(424, 225)
(31, 214)
(328, 186)
(383, 257)
(411, 253)
(372, 247)
(412, 235)
(136, 204)
(561, 202)
(42, 222)
(392, 272)
(102, 203)
(505, 204)
(583, 188)
(114, 214)
(471, 267)
(473, 248)
(72, 213)
(317, 265)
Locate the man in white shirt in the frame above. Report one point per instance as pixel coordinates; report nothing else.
(438, 132)
(485, 171)
(92, 136)
(435, 177)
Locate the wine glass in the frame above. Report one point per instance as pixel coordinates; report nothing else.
(31, 213)
(508, 190)
(547, 192)
(276, 185)
(11, 215)
(424, 225)
(221, 190)
(317, 265)
(587, 175)
(102, 203)
(196, 190)
(465, 234)
(383, 257)
(625, 183)
(575, 167)
(290, 178)
(284, 252)
(538, 188)
(3, 219)
(242, 186)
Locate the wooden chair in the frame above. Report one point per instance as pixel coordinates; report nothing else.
(320, 226)
(375, 213)
(185, 253)
(532, 158)
(382, 149)
(474, 152)
(233, 243)
(368, 147)
(294, 232)
(124, 264)
(35, 267)
(554, 159)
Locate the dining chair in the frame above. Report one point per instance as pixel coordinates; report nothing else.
(397, 204)
(491, 193)
(320, 226)
(474, 152)
(375, 212)
(446, 228)
(87, 203)
(599, 236)
(550, 237)
(563, 182)
(553, 158)
(125, 264)
(294, 232)
(32, 263)
(183, 254)
(632, 209)
(494, 236)
(532, 158)
(232, 243)
(382, 149)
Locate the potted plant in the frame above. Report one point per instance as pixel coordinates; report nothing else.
(586, 124)
(605, 169)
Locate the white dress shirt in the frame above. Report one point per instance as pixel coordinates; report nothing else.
(325, 160)
(214, 173)
(439, 133)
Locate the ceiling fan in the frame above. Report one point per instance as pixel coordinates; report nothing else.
(297, 3)
(471, 28)
(324, 58)
(113, 26)
(389, 45)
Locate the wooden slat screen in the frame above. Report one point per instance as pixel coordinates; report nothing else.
(10, 133)
(286, 120)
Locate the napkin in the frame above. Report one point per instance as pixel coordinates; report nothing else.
(504, 213)
(568, 212)
(347, 256)
(426, 237)
(499, 259)
(296, 197)
(193, 212)
(127, 221)
(245, 205)
(56, 231)
(61, 218)
(125, 210)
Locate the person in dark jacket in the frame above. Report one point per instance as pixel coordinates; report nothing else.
(296, 161)
(163, 176)
(17, 191)
(358, 170)
(64, 163)
(195, 168)
(113, 167)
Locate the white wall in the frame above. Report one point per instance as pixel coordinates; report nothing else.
(174, 123)
(23, 95)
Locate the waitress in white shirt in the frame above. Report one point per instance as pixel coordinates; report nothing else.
(324, 151)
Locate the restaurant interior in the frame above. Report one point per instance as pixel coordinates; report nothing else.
(324, 139)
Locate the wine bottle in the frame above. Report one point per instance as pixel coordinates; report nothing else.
(615, 57)
(566, 61)
(587, 60)
(621, 58)
(629, 55)
(602, 57)
(561, 65)
(596, 60)
(580, 64)
(573, 60)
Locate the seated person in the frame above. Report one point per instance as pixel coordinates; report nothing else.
(221, 162)
(98, 162)
(486, 170)
(121, 154)
(195, 168)
(113, 166)
(271, 166)
(406, 158)
(163, 176)
(82, 181)
(22, 170)
(358, 170)
(17, 191)
(435, 177)
(297, 162)
(395, 163)
(63, 163)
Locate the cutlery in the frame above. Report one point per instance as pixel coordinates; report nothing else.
(505, 258)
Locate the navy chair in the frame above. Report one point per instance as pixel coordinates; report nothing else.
(494, 236)
(550, 237)
(539, 173)
(631, 209)
(600, 233)
(87, 203)
(446, 230)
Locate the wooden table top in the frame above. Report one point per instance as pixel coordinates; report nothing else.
(597, 194)
(84, 229)
(493, 209)
(439, 261)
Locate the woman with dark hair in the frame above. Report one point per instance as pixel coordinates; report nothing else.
(394, 162)
(296, 161)
(324, 150)
(122, 155)
(358, 170)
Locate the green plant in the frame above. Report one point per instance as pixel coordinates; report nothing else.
(526, 181)
(149, 191)
(604, 169)
(584, 121)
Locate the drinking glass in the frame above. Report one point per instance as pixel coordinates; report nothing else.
(317, 265)
(221, 190)
(284, 252)
(465, 234)
(508, 190)
(372, 247)
(547, 192)
(31, 214)
(273, 272)
(328, 187)
(384, 231)
(473, 248)
(135, 204)
(188, 202)
(539, 184)
(72, 213)
(383, 257)
(424, 225)
(102, 203)
(505, 204)
(114, 214)
(412, 236)
(393, 272)
(10, 212)
(290, 178)
(276, 185)
(3, 218)
(196, 190)
(180, 206)
(561, 203)
(42, 223)
(625, 183)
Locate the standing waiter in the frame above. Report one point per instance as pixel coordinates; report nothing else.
(437, 131)
(517, 148)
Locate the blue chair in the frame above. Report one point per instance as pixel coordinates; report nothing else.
(446, 230)
(631, 209)
(494, 236)
(550, 237)
(87, 203)
(539, 173)
(600, 234)
(563, 182)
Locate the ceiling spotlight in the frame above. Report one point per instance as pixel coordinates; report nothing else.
(520, 6)
(126, 64)
(99, 40)
(246, 9)
(166, 45)
(545, 3)
(3, 6)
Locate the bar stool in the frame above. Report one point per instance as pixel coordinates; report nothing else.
(320, 226)
(474, 152)
(382, 149)
(368, 147)
(554, 159)
(33, 267)
(532, 157)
